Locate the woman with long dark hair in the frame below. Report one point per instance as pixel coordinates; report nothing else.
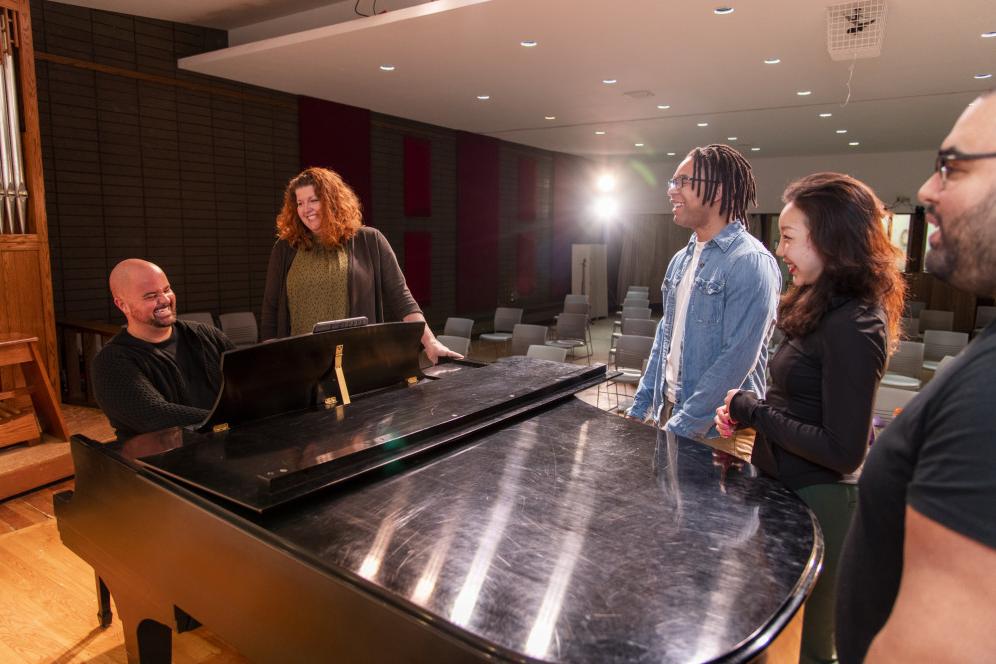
(841, 319)
(327, 265)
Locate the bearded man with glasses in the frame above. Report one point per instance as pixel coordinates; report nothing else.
(916, 580)
(720, 294)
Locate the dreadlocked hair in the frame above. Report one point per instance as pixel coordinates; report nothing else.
(844, 218)
(721, 166)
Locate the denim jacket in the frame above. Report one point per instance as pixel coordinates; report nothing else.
(731, 313)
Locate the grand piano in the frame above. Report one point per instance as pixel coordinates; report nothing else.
(340, 504)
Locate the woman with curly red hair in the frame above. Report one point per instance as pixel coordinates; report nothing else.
(841, 319)
(327, 265)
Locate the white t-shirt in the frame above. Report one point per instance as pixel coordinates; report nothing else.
(681, 298)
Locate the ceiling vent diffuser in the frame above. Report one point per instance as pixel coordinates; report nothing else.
(856, 29)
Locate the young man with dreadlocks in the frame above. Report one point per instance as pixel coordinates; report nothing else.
(720, 295)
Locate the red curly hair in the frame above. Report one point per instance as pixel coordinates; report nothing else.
(342, 214)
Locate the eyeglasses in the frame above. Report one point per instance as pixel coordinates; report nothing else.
(951, 154)
(682, 180)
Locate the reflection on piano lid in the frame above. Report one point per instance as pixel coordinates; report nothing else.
(264, 464)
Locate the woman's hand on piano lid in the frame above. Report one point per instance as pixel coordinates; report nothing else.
(435, 350)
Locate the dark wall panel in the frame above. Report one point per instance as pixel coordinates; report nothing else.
(477, 223)
(187, 176)
(337, 136)
(418, 266)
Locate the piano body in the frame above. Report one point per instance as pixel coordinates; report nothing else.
(483, 513)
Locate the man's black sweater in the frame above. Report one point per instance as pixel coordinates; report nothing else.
(143, 387)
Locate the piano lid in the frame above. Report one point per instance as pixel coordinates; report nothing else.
(299, 373)
(262, 464)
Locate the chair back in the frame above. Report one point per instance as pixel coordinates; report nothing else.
(984, 315)
(552, 353)
(572, 298)
(456, 344)
(910, 327)
(240, 327)
(913, 308)
(888, 399)
(935, 319)
(459, 327)
(945, 361)
(907, 360)
(938, 343)
(204, 317)
(524, 336)
(636, 312)
(506, 318)
(571, 326)
(640, 327)
(636, 302)
(577, 308)
(632, 350)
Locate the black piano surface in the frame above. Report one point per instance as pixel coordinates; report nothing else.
(547, 531)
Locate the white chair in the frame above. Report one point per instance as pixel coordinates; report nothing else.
(903, 370)
(523, 336)
(572, 332)
(888, 399)
(938, 343)
(459, 327)
(935, 319)
(456, 344)
(240, 328)
(983, 316)
(632, 352)
(641, 327)
(575, 298)
(506, 318)
(204, 317)
(910, 328)
(913, 308)
(550, 353)
(635, 302)
(945, 361)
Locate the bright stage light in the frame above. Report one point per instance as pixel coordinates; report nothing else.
(605, 182)
(605, 207)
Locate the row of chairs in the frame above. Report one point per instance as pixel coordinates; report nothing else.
(917, 320)
(239, 326)
(913, 359)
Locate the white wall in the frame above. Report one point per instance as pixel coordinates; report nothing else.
(643, 188)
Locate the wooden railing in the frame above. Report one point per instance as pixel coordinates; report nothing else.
(79, 343)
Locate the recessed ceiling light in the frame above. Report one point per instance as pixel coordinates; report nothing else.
(772, 61)
(731, 138)
(826, 115)
(703, 124)
(484, 97)
(989, 35)
(549, 117)
(670, 154)
(755, 149)
(528, 43)
(980, 77)
(721, 11)
(600, 133)
(387, 67)
(841, 131)
(854, 143)
(609, 81)
(663, 107)
(637, 145)
(804, 93)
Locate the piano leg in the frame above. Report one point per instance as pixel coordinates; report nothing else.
(148, 642)
(104, 615)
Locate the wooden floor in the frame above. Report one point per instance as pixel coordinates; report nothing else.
(48, 606)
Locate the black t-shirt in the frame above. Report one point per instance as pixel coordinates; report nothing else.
(201, 387)
(939, 457)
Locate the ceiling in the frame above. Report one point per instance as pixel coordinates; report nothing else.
(705, 67)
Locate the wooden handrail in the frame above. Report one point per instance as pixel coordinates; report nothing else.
(79, 343)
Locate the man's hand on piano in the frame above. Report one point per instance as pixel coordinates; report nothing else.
(435, 350)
